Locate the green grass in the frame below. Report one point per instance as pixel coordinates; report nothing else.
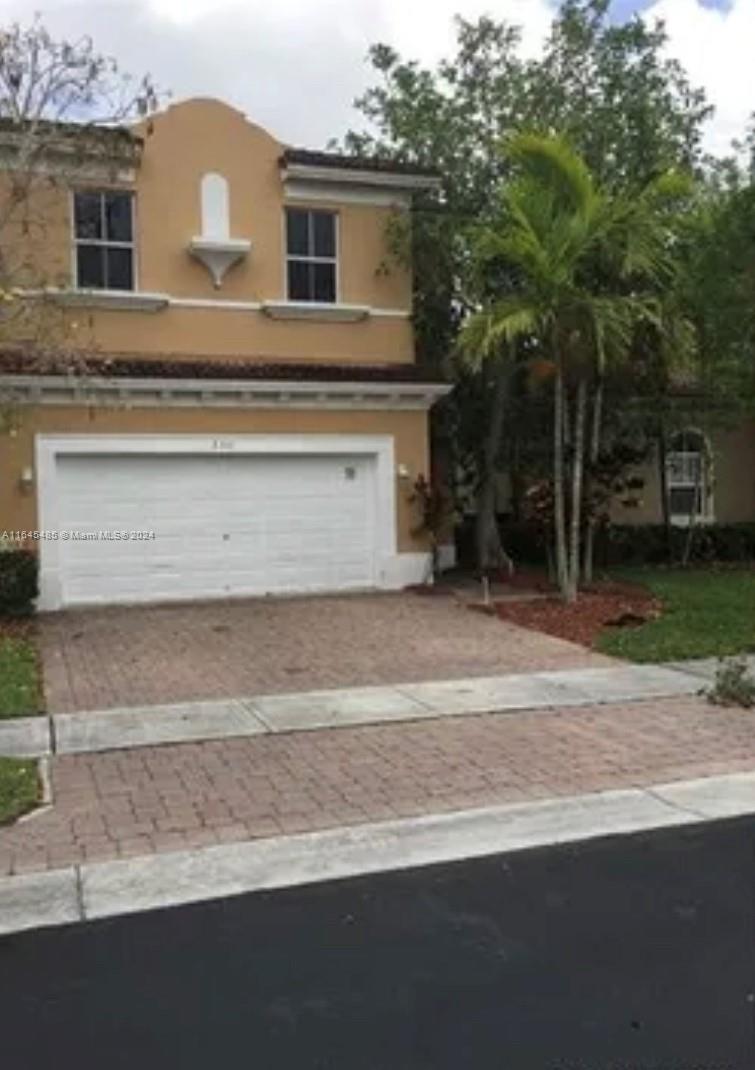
(707, 613)
(19, 679)
(19, 787)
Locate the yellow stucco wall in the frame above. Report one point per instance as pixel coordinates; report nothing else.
(185, 142)
(18, 506)
(186, 333)
(733, 453)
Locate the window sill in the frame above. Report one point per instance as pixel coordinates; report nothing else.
(314, 310)
(117, 300)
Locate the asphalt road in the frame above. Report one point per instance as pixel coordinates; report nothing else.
(637, 953)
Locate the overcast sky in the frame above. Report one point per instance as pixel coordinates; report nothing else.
(295, 66)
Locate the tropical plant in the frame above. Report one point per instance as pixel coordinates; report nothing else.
(578, 266)
(613, 89)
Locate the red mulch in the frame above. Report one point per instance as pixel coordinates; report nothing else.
(604, 605)
(18, 628)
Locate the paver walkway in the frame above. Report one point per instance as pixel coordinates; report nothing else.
(133, 656)
(155, 799)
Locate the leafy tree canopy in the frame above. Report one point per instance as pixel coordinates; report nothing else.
(610, 90)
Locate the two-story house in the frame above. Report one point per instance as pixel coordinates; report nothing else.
(251, 420)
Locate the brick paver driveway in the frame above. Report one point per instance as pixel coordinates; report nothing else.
(129, 656)
(156, 799)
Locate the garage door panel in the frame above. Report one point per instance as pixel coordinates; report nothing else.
(246, 524)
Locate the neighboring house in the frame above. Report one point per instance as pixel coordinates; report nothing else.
(710, 478)
(253, 400)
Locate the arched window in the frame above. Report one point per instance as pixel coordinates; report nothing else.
(688, 478)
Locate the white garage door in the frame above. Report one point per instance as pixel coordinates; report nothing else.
(224, 525)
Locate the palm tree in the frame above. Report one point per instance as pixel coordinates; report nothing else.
(575, 258)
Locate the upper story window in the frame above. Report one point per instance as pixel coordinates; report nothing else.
(311, 260)
(104, 239)
(688, 478)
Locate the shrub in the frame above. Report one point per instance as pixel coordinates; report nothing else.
(648, 544)
(19, 584)
(733, 686)
(622, 544)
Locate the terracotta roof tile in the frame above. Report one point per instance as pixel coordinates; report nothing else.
(170, 366)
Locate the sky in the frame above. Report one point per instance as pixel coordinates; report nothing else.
(295, 66)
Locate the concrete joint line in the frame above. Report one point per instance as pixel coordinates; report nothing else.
(52, 734)
(257, 715)
(698, 815)
(79, 884)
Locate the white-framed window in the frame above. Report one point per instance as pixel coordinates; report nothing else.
(103, 222)
(688, 478)
(311, 255)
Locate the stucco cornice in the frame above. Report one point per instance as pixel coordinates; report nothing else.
(359, 176)
(218, 393)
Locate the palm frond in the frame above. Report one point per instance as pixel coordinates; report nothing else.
(487, 332)
(553, 163)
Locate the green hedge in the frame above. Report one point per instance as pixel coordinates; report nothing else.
(19, 582)
(647, 544)
(628, 544)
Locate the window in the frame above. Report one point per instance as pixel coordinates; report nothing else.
(311, 255)
(688, 478)
(104, 237)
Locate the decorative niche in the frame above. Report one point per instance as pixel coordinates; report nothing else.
(215, 248)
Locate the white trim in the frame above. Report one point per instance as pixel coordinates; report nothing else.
(355, 176)
(115, 300)
(144, 301)
(296, 190)
(315, 310)
(220, 393)
(219, 255)
(259, 306)
(50, 447)
(215, 302)
(409, 569)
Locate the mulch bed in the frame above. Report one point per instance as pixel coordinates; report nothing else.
(602, 606)
(18, 628)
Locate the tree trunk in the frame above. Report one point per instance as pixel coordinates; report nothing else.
(663, 480)
(559, 518)
(595, 436)
(578, 466)
(490, 551)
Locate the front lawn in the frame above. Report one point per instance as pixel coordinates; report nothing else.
(19, 787)
(20, 693)
(706, 613)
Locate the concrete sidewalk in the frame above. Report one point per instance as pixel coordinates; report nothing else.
(147, 726)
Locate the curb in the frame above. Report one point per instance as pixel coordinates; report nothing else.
(129, 886)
